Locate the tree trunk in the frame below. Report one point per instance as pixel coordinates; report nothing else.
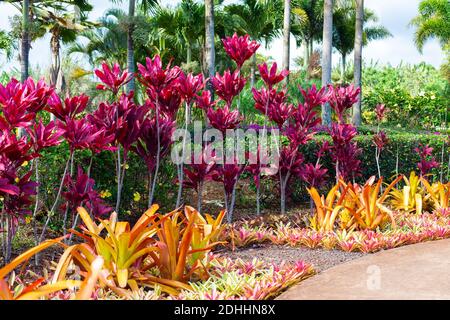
(209, 42)
(25, 42)
(253, 72)
(130, 45)
(358, 58)
(306, 55)
(344, 62)
(188, 53)
(286, 36)
(326, 55)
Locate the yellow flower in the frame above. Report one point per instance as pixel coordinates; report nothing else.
(25, 163)
(127, 167)
(136, 196)
(27, 219)
(17, 180)
(105, 194)
(128, 212)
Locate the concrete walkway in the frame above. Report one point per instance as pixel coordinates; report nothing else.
(420, 271)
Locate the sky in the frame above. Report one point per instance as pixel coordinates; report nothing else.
(395, 15)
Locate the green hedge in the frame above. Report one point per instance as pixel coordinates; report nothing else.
(103, 171)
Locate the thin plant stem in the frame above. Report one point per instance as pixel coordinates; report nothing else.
(158, 152)
(50, 213)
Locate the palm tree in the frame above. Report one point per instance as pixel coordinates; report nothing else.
(179, 26)
(286, 36)
(210, 53)
(326, 54)
(307, 25)
(145, 5)
(64, 26)
(344, 22)
(433, 21)
(264, 28)
(25, 44)
(359, 25)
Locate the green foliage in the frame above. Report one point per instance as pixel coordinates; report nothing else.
(416, 95)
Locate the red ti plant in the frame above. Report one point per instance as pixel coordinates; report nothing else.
(380, 139)
(228, 86)
(289, 166)
(427, 160)
(155, 78)
(345, 151)
(112, 78)
(229, 174)
(188, 86)
(314, 174)
(149, 151)
(341, 99)
(272, 104)
(79, 193)
(71, 107)
(240, 49)
(197, 173)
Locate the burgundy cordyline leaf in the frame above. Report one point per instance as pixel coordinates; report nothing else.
(342, 98)
(427, 161)
(134, 120)
(79, 133)
(97, 206)
(15, 117)
(113, 78)
(44, 136)
(189, 85)
(80, 192)
(380, 140)
(224, 118)
(169, 102)
(228, 86)
(197, 173)
(29, 95)
(271, 77)
(380, 111)
(104, 118)
(290, 160)
(345, 151)
(314, 98)
(146, 147)
(71, 107)
(154, 76)
(258, 168)
(324, 148)
(13, 153)
(204, 101)
(228, 174)
(261, 96)
(280, 113)
(7, 188)
(18, 205)
(313, 174)
(239, 49)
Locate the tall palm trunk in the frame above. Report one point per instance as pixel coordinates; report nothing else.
(326, 55)
(130, 45)
(253, 71)
(25, 41)
(343, 67)
(209, 40)
(286, 36)
(358, 58)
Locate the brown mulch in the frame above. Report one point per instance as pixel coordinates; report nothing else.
(320, 259)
